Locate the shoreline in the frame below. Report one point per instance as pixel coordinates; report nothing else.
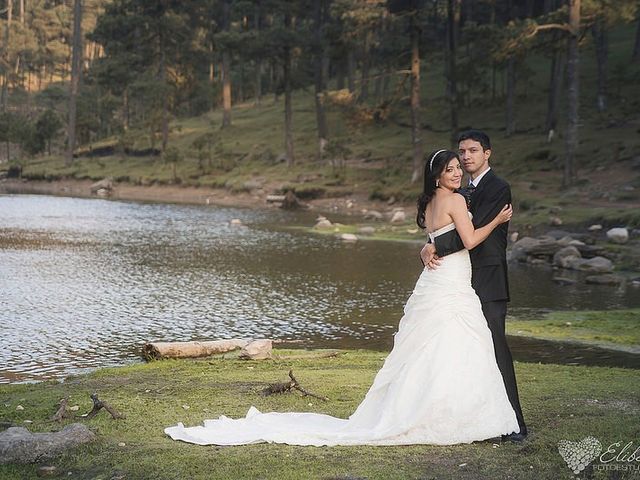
(356, 204)
(307, 353)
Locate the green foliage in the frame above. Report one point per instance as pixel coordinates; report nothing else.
(47, 127)
(18, 129)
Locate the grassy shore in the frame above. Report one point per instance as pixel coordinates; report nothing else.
(614, 328)
(559, 402)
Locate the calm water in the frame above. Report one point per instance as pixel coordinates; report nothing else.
(84, 283)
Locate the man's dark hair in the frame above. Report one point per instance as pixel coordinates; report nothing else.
(477, 135)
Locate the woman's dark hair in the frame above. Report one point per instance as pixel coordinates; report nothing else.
(435, 164)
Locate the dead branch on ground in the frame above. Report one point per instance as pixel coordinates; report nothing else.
(288, 386)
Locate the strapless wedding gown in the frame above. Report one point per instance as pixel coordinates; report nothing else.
(439, 385)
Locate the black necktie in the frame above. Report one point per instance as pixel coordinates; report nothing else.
(467, 192)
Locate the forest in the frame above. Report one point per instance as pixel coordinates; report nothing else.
(169, 81)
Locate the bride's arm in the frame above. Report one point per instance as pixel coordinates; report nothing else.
(472, 237)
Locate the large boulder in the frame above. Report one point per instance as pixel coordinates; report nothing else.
(595, 264)
(348, 237)
(367, 230)
(618, 235)
(590, 251)
(105, 184)
(605, 279)
(398, 217)
(546, 248)
(257, 350)
(322, 222)
(520, 249)
(19, 445)
(562, 257)
(254, 183)
(373, 215)
(568, 240)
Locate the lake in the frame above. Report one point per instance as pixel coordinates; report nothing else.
(86, 282)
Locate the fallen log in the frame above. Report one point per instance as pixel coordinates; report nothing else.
(275, 198)
(159, 350)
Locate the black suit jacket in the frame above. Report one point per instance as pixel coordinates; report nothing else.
(489, 259)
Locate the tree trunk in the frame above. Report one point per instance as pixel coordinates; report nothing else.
(494, 66)
(340, 76)
(165, 102)
(212, 75)
(573, 94)
(601, 40)
(555, 89)
(258, 72)
(510, 121)
(226, 69)
(467, 13)
(125, 109)
(351, 71)
(76, 63)
(636, 47)
(385, 84)
(366, 66)
(288, 109)
(321, 119)
(511, 94)
(415, 99)
(274, 81)
(377, 86)
(7, 39)
(239, 90)
(258, 83)
(453, 8)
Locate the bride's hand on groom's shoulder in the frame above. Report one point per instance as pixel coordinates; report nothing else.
(505, 214)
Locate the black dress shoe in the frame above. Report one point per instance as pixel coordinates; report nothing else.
(514, 437)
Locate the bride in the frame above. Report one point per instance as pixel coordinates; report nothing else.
(440, 383)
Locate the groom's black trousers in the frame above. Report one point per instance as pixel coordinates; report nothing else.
(495, 313)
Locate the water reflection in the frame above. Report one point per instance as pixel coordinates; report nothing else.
(86, 282)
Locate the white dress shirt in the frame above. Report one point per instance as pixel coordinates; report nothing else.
(478, 178)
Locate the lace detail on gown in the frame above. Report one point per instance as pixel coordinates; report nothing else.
(440, 383)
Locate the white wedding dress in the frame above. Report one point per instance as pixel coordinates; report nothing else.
(439, 385)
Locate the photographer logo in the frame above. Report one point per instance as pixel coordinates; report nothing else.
(579, 454)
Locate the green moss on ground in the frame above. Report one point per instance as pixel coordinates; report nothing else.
(614, 327)
(559, 402)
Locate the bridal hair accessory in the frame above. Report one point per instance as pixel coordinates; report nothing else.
(434, 156)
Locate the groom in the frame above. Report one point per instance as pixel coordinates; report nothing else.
(487, 194)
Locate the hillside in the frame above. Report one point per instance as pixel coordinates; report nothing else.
(248, 156)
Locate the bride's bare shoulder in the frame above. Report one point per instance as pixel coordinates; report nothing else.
(455, 201)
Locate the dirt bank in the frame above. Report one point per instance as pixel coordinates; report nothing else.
(356, 204)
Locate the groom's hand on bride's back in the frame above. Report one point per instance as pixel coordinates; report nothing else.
(428, 256)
